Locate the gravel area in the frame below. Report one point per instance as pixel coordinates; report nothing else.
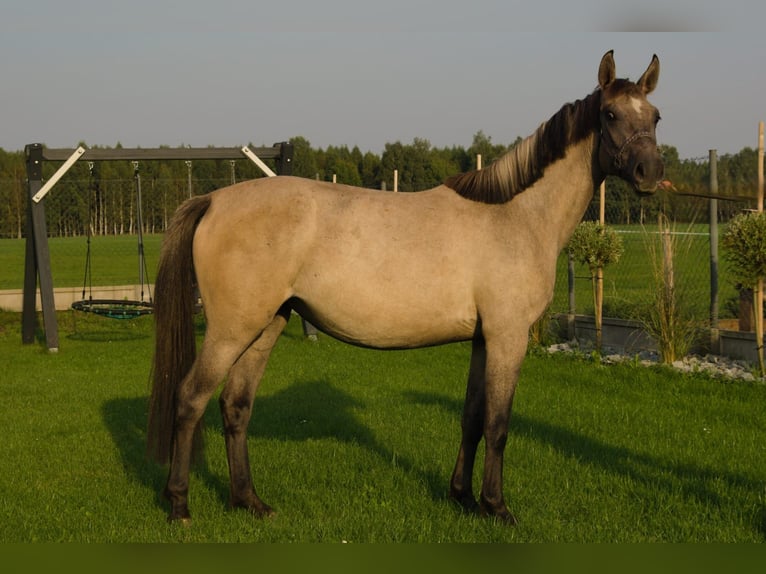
(713, 365)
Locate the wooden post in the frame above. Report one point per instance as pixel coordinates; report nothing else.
(760, 166)
(285, 160)
(715, 345)
(601, 203)
(38, 260)
(758, 295)
(189, 177)
(572, 301)
(478, 161)
(396, 180)
(599, 286)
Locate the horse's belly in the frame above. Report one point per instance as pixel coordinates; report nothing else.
(389, 324)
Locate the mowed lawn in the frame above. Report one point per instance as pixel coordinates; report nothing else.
(354, 445)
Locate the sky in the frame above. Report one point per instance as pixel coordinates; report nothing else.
(147, 73)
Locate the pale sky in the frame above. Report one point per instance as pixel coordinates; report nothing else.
(349, 72)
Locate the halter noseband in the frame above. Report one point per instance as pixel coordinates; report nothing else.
(617, 157)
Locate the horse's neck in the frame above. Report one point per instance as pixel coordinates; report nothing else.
(557, 202)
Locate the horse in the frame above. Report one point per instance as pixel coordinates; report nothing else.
(473, 259)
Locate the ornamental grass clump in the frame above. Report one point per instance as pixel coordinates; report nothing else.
(596, 246)
(667, 318)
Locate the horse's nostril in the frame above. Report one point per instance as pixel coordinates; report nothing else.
(639, 172)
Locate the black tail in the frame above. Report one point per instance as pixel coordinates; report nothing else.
(175, 347)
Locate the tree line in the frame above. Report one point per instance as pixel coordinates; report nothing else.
(100, 198)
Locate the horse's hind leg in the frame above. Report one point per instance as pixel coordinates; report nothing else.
(236, 407)
(193, 395)
(461, 484)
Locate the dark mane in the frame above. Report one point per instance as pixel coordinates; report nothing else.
(524, 164)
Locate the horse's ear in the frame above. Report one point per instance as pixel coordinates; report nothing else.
(606, 70)
(648, 81)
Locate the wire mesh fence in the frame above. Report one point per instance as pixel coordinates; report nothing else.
(106, 210)
(630, 284)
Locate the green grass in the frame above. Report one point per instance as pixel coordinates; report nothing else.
(357, 445)
(114, 260)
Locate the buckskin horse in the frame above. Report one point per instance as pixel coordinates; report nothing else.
(472, 259)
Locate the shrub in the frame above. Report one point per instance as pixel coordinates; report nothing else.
(745, 243)
(596, 246)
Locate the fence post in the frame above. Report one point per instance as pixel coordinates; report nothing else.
(715, 342)
(599, 292)
(572, 303)
(758, 291)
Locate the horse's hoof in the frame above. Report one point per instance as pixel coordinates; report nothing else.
(268, 513)
(504, 518)
(184, 521)
(501, 514)
(257, 509)
(467, 503)
(507, 519)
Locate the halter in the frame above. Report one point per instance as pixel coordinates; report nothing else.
(617, 157)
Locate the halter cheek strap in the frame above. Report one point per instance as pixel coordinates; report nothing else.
(638, 135)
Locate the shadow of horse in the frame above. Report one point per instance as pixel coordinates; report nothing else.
(696, 482)
(304, 411)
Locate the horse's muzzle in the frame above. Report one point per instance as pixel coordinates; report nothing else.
(645, 170)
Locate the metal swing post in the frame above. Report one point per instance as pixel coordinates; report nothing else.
(140, 225)
(87, 280)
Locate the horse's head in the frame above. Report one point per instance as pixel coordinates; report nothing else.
(628, 146)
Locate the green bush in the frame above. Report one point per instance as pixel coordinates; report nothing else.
(745, 243)
(595, 245)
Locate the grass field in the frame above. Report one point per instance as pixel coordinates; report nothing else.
(114, 260)
(357, 445)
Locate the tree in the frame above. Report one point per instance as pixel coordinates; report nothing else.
(420, 166)
(341, 163)
(304, 158)
(393, 158)
(370, 170)
(482, 144)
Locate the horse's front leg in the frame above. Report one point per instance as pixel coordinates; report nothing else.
(236, 403)
(461, 483)
(504, 358)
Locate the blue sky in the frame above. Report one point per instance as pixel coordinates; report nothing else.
(340, 72)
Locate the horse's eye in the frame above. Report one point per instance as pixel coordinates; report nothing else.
(610, 116)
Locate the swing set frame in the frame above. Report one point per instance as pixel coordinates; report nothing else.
(37, 266)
